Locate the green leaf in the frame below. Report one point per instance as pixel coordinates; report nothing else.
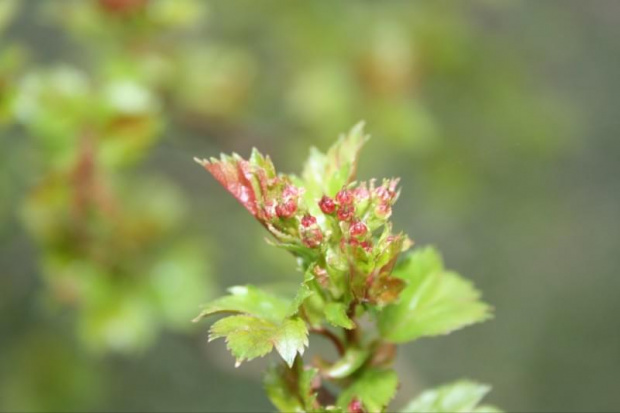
(249, 337)
(434, 302)
(336, 314)
(291, 338)
(374, 388)
(459, 397)
(291, 389)
(304, 292)
(248, 300)
(326, 174)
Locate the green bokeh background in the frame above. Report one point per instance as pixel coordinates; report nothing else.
(500, 117)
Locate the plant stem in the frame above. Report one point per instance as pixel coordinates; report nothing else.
(331, 337)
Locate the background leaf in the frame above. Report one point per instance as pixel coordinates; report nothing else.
(462, 396)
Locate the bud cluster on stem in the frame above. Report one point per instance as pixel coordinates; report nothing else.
(339, 230)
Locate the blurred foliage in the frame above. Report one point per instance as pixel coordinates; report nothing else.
(500, 114)
(112, 242)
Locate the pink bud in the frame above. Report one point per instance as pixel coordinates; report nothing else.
(286, 209)
(361, 193)
(383, 194)
(312, 238)
(358, 229)
(344, 197)
(367, 245)
(308, 220)
(345, 212)
(290, 191)
(327, 205)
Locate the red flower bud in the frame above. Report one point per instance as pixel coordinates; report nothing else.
(290, 191)
(327, 205)
(345, 212)
(367, 245)
(286, 209)
(308, 220)
(312, 238)
(358, 229)
(344, 197)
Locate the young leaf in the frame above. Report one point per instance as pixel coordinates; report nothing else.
(336, 314)
(243, 179)
(255, 184)
(304, 292)
(248, 300)
(326, 174)
(291, 338)
(374, 388)
(434, 302)
(459, 397)
(249, 337)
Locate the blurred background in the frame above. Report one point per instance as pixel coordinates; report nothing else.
(500, 117)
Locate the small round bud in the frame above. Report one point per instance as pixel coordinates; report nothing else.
(345, 212)
(308, 220)
(327, 205)
(344, 197)
(286, 209)
(367, 245)
(312, 238)
(290, 191)
(358, 229)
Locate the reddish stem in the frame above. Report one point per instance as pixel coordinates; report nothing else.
(330, 336)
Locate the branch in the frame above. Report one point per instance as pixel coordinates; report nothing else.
(330, 336)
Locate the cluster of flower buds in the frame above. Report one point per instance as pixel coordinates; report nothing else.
(288, 202)
(346, 241)
(311, 234)
(384, 197)
(361, 210)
